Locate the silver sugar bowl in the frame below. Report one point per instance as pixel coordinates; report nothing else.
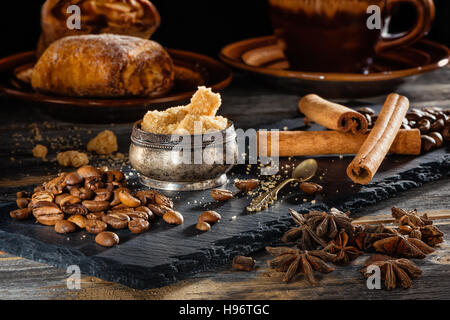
(183, 162)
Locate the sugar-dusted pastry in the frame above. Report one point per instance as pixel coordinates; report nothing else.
(197, 117)
(138, 18)
(104, 66)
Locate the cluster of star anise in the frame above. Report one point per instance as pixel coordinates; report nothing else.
(322, 237)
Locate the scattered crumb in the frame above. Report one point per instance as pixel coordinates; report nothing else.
(72, 159)
(104, 143)
(40, 151)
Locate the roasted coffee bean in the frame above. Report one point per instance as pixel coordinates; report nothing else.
(46, 210)
(116, 200)
(40, 204)
(89, 171)
(22, 202)
(23, 194)
(120, 207)
(79, 220)
(116, 220)
(50, 219)
(108, 176)
(127, 199)
(123, 209)
(137, 215)
(73, 178)
(437, 138)
(65, 226)
(138, 226)
(118, 175)
(95, 215)
(412, 124)
(158, 210)
(107, 239)
(59, 197)
(102, 195)
(429, 117)
(428, 143)
(162, 200)
(405, 126)
(146, 196)
(173, 217)
(109, 187)
(150, 215)
(209, 216)
(96, 206)
(446, 131)
(42, 196)
(437, 125)
(82, 193)
(247, 185)
(95, 226)
(414, 115)
(21, 214)
(93, 183)
(68, 200)
(203, 226)
(442, 116)
(366, 110)
(75, 209)
(242, 263)
(423, 125)
(56, 185)
(369, 119)
(221, 194)
(310, 187)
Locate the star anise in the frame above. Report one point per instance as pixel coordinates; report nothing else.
(410, 218)
(344, 252)
(402, 246)
(302, 235)
(365, 236)
(294, 261)
(328, 224)
(394, 272)
(419, 227)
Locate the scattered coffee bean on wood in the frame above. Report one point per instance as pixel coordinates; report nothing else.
(243, 263)
(221, 194)
(107, 239)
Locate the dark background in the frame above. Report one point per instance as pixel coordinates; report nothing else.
(203, 26)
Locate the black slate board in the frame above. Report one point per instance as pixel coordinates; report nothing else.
(167, 254)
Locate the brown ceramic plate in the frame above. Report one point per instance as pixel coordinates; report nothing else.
(389, 69)
(192, 69)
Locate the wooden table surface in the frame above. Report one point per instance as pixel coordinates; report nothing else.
(248, 103)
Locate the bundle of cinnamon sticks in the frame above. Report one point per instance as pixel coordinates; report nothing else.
(350, 135)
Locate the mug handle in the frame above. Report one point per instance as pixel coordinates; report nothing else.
(425, 16)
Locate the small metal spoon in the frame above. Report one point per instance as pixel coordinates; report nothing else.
(303, 172)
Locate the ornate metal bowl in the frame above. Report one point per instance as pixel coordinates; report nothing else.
(183, 162)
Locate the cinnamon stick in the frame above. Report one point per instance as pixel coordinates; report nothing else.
(366, 163)
(309, 143)
(332, 115)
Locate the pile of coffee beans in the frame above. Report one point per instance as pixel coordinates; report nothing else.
(95, 200)
(433, 123)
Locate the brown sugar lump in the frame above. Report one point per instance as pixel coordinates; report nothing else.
(104, 143)
(40, 151)
(193, 124)
(204, 102)
(198, 117)
(72, 159)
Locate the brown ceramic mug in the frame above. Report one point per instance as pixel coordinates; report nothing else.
(333, 35)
